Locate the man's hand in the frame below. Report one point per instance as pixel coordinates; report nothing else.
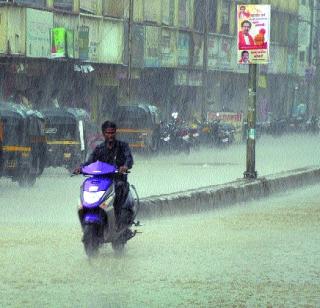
(77, 170)
(123, 169)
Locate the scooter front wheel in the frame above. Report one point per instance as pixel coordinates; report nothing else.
(118, 247)
(91, 240)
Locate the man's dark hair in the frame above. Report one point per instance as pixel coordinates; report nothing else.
(108, 124)
(246, 22)
(243, 52)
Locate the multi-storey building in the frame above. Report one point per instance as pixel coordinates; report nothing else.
(80, 49)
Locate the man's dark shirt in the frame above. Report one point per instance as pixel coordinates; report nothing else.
(119, 154)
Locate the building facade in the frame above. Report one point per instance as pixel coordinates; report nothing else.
(78, 51)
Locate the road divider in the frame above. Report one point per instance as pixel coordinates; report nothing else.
(241, 190)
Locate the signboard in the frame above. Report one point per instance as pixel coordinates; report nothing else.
(253, 23)
(38, 24)
(58, 42)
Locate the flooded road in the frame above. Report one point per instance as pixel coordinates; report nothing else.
(264, 253)
(255, 254)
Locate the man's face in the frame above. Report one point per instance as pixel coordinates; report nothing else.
(245, 28)
(109, 134)
(245, 57)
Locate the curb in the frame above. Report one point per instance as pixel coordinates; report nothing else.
(210, 197)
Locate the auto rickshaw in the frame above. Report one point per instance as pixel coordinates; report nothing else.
(66, 132)
(22, 143)
(139, 125)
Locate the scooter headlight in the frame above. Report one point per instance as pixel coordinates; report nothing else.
(92, 197)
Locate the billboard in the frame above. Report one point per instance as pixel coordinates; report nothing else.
(253, 22)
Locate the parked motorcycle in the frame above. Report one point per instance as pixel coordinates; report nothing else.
(96, 210)
(313, 125)
(225, 134)
(175, 136)
(194, 134)
(174, 139)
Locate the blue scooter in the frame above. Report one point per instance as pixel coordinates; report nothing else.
(96, 211)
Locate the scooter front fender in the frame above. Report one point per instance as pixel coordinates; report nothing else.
(92, 218)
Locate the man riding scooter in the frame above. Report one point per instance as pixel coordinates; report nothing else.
(117, 153)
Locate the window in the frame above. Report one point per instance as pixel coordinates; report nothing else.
(292, 31)
(212, 16)
(225, 17)
(63, 5)
(88, 6)
(152, 10)
(182, 13)
(199, 6)
(302, 55)
(38, 3)
(167, 12)
(12, 129)
(114, 8)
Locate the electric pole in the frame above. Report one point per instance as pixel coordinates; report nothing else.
(129, 51)
(205, 63)
(251, 172)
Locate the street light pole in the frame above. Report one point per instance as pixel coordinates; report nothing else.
(250, 172)
(310, 56)
(205, 63)
(129, 50)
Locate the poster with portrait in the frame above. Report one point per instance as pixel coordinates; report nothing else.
(253, 39)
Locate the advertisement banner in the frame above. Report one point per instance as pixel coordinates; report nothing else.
(253, 23)
(58, 42)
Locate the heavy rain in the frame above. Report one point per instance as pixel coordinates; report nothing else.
(198, 101)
